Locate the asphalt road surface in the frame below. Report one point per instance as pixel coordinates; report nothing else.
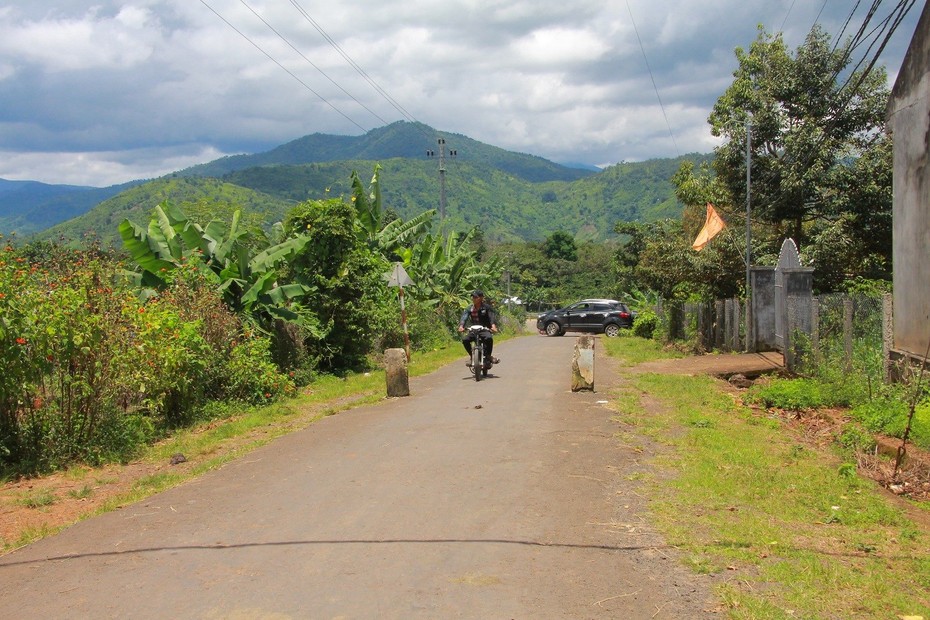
(507, 498)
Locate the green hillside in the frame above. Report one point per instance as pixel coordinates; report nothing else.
(507, 208)
(202, 199)
(512, 196)
(398, 140)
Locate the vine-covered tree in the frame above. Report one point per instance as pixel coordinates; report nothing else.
(820, 160)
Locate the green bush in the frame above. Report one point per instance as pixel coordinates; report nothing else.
(888, 416)
(91, 373)
(790, 394)
(251, 376)
(646, 323)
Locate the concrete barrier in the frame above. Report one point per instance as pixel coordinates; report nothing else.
(583, 364)
(395, 372)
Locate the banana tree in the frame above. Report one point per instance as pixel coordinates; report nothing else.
(249, 284)
(445, 271)
(390, 238)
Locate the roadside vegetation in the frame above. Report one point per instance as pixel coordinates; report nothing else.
(785, 524)
(207, 337)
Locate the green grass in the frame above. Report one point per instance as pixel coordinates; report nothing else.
(633, 350)
(795, 534)
(82, 493)
(40, 499)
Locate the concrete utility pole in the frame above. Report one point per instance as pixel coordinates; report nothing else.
(442, 174)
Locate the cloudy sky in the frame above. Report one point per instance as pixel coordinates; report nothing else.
(98, 93)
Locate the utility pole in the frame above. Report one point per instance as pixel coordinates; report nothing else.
(442, 174)
(749, 345)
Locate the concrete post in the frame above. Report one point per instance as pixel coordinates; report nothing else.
(583, 364)
(395, 372)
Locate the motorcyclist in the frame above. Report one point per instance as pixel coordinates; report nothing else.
(479, 313)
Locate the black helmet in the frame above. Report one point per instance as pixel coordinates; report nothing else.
(477, 293)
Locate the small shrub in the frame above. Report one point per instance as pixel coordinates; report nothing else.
(790, 394)
(646, 323)
(889, 417)
(251, 376)
(856, 439)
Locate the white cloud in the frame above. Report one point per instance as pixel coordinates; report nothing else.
(123, 89)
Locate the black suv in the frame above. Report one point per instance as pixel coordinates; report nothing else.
(607, 316)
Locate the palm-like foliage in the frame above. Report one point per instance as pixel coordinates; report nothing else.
(388, 238)
(445, 271)
(249, 284)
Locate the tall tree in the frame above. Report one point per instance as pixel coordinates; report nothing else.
(816, 136)
(560, 244)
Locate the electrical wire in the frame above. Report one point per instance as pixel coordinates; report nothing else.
(784, 21)
(289, 72)
(397, 106)
(323, 73)
(651, 77)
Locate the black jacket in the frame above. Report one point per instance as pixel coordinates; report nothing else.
(483, 316)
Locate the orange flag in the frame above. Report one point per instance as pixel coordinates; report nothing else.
(712, 226)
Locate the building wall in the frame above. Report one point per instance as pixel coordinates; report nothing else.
(909, 122)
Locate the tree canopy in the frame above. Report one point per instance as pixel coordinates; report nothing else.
(820, 162)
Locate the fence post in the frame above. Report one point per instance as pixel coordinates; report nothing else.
(736, 323)
(720, 323)
(747, 314)
(815, 329)
(848, 332)
(887, 334)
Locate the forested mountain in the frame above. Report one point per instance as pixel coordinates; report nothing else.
(202, 199)
(397, 140)
(27, 207)
(511, 196)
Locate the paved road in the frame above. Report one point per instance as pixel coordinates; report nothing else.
(508, 498)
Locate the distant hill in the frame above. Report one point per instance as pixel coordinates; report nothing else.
(512, 196)
(506, 207)
(27, 207)
(401, 139)
(202, 199)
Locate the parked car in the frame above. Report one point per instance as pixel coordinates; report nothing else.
(600, 316)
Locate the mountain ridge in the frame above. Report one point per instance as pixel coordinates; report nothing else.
(512, 196)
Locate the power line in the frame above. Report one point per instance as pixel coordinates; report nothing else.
(397, 106)
(272, 59)
(651, 77)
(851, 86)
(784, 21)
(323, 73)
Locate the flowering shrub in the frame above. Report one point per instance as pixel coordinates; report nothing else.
(91, 373)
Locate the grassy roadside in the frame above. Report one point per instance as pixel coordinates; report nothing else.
(41, 507)
(791, 529)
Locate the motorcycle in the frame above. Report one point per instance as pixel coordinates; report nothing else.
(477, 364)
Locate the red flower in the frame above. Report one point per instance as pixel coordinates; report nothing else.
(20, 341)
